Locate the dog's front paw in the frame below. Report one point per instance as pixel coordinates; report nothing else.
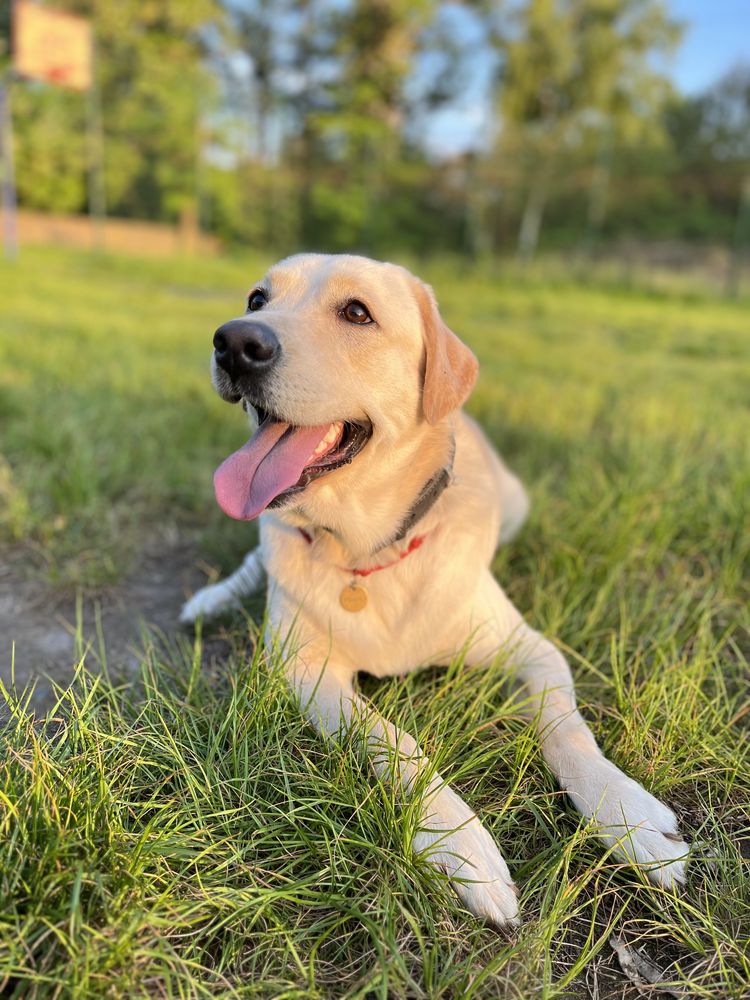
(454, 841)
(640, 827)
(208, 602)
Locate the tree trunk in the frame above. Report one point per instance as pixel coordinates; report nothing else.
(477, 239)
(533, 214)
(597, 207)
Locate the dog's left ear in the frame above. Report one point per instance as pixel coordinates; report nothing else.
(450, 368)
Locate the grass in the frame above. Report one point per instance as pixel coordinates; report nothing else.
(186, 835)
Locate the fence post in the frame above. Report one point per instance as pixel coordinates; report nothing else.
(10, 220)
(95, 136)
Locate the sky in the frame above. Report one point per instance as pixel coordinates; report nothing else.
(716, 37)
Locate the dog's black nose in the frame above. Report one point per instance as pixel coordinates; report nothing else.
(245, 348)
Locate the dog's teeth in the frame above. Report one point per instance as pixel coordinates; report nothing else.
(328, 441)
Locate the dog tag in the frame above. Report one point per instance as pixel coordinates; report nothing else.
(353, 597)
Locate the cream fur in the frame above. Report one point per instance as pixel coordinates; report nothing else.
(425, 608)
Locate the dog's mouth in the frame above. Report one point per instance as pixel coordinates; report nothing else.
(281, 460)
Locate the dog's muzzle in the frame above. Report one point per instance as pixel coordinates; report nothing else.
(245, 349)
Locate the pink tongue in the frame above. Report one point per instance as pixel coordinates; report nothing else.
(271, 462)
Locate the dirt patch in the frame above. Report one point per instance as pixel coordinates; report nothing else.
(119, 235)
(38, 625)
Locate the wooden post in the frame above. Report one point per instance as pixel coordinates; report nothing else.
(10, 221)
(95, 141)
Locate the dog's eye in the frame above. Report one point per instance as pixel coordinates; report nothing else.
(355, 312)
(256, 300)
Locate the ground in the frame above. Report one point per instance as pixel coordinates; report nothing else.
(42, 628)
(175, 828)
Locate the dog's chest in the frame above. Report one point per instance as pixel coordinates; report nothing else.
(385, 623)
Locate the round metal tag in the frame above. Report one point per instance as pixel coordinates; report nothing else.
(353, 597)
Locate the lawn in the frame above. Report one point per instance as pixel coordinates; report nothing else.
(185, 834)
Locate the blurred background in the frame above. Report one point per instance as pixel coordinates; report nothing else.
(614, 130)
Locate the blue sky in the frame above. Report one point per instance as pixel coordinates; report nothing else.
(716, 37)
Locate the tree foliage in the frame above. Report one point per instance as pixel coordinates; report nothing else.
(301, 123)
(574, 68)
(153, 87)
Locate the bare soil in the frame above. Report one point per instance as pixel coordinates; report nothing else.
(38, 624)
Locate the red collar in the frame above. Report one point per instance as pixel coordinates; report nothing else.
(414, 544)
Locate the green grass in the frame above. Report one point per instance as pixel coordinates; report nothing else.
(107, 421)
(188, 835)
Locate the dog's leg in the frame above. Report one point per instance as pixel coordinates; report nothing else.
(226, 594)
(451, 838)
(641, 829)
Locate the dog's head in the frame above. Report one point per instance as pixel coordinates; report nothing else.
(335, 356)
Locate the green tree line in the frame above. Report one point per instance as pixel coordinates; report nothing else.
(307, 123)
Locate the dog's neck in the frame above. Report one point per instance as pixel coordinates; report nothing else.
(427, 498)
(368, 508)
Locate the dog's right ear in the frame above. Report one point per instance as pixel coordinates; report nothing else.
(450, 367)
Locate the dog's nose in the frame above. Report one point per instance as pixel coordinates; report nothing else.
(245, 348)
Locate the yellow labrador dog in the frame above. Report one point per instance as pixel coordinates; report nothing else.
(381, 505)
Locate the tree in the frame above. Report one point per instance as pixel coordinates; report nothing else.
(376, 44)
(570, 68)
(154, 90)
(330, 82)
(711, 142)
